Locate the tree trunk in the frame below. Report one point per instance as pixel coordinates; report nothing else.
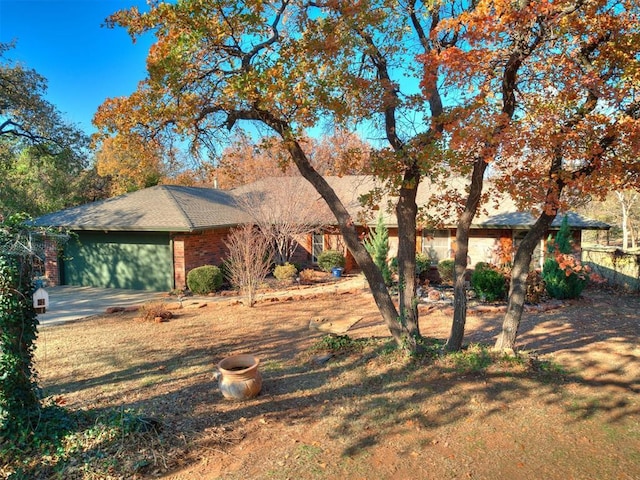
(403, 334)
(625, 227)
(518, 288)
(456, 336)
(407, 211)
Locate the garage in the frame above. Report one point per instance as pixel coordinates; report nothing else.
(131, 260)
(143, 240)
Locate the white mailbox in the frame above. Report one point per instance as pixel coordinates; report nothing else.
(40, 300)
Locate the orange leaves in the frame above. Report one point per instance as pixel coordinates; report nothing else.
(516, 80)
(571, 265)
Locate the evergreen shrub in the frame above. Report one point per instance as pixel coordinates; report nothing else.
(560, 285)
(205, 279)
(563, 274)
(330, 259)
(446, 270)
(423, 263)
(488, 283)
(377, 244)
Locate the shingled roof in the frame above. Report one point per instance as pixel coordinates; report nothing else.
(177, 208)
(495, 214)
(172, 208)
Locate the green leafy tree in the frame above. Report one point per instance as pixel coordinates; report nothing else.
(290, 66)
(377, 244)
(43, 158)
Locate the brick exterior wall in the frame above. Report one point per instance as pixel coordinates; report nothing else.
(51, 264)
(193, 250)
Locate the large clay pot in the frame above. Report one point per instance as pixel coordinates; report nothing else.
(239, 377)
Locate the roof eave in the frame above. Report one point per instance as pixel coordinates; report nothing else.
(133, 228)
(528, 226)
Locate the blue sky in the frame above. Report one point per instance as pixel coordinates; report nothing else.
(83, 62)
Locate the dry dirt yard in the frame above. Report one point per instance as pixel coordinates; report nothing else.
(568, 409)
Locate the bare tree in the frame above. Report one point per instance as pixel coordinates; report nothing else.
(284, 211)
(627, 199)
(249, 260)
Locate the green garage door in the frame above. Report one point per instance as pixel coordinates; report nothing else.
(132, 260)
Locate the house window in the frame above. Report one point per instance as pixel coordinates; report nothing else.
(436, 244)
(317, 246)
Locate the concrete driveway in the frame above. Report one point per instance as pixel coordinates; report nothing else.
(68, 303)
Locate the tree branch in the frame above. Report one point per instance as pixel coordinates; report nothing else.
(270, 41)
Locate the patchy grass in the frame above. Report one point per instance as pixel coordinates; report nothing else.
(140, 399)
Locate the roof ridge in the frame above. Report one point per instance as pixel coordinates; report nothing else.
(169, 192)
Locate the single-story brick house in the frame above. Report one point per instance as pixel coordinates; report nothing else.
(145, 240)
(150, 239)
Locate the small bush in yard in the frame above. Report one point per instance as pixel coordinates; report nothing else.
(488, 283)
(308, 275)
(335, 343)
(446, 270)
(205, 279)
(423, 263)
(562, 277)
(152, 311)
(287, 271)
(330, 259)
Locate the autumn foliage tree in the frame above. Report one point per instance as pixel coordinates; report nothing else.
(130, 163)
(494, 41)
(246, 160)
(217, 64)
(341, 152)
(536, 95)
(536, 87)
(578, 131)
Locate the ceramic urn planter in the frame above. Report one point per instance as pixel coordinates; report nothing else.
(239, 377)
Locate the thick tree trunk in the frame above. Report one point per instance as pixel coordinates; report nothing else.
(518, 288)
(404, 334)
(456, 336)
(400, 331)
(406, 211)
